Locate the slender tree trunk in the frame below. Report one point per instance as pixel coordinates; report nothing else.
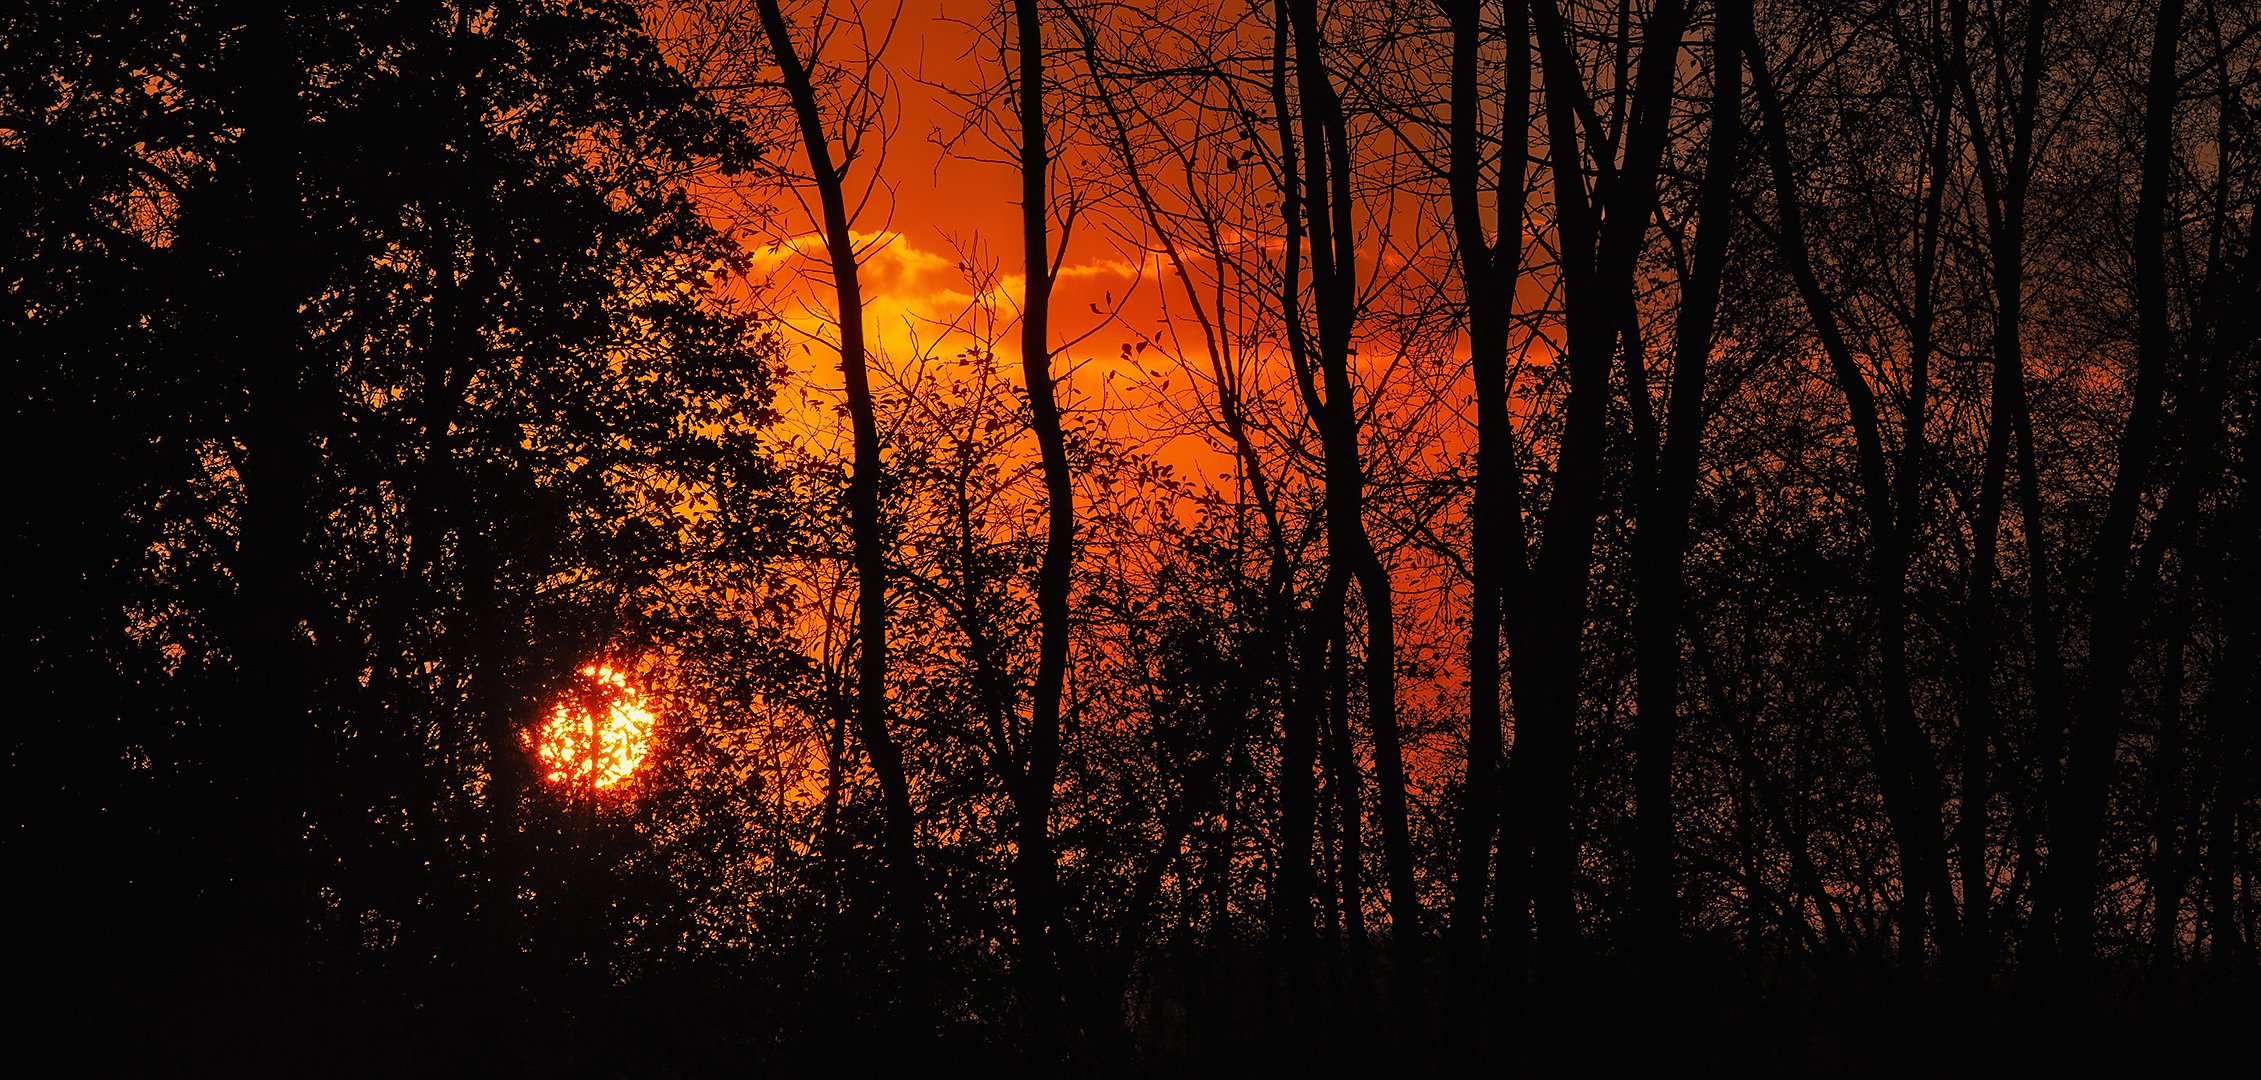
(1906, 770)
(2231, 705)
(1490, 270)
(2077, 820)
(276, 735)
(1660, 542)
(906, 893)
(2169, 880)
(1293, 884)
(1977, 649)
(1601, 232)
(2004, 183)
(487, 641)
(1036, 873)
(1345, 784)
(1326, 203)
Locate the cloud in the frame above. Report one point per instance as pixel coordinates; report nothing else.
(928, 302)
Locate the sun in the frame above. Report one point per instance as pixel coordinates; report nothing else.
(597, 734)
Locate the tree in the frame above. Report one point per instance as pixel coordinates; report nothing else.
(906, 893)
(1665, 465)
(414, 353)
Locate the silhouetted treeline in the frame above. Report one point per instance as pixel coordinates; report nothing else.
(1603, 537)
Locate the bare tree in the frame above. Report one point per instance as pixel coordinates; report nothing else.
(2124, 583)
(1491, 264)
(1320, 209)
(1906, 765)
(1035, 871)
(1600, 228)
(906, 893)
(1665, 481)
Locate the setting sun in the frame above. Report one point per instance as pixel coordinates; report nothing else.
(598, 733)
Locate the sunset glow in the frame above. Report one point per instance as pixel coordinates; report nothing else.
(1174, 538)
(598, 734)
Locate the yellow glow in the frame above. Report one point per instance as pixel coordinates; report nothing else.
(597, 735)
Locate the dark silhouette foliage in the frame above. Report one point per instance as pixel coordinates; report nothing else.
(1644, 536)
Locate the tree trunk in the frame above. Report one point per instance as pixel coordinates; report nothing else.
(1660, 542)
(1293, 884)
(2168, 878)
(1326, 204)
(2077, 820)
(2004, 184)
(1490, 270)
(1906, 770)
(261, 286)
(906, 893)
(1035, 863)
(1601, 234)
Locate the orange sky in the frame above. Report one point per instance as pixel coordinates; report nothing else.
(948, 197)
(940, 204)
(939, 207)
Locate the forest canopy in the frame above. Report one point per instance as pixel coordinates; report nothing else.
(1091, 538)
